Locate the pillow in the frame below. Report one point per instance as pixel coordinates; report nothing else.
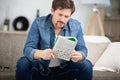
(110, 60)
(96, 46)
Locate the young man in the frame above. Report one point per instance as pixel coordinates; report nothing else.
(37, 63)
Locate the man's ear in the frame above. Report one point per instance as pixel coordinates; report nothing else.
(52, 11)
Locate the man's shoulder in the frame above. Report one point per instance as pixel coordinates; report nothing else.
(74, 21)
(74, 24)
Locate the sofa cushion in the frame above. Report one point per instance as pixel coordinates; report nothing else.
(110, 60)
(96, 46)
(100, 75)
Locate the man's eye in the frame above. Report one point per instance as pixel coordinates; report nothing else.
(66, 16)
(60, 14)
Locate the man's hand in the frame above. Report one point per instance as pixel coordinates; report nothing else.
(46, 54)
(76, 56)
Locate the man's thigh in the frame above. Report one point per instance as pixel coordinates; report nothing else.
(62, 73)
(70, 72)
(75, 70)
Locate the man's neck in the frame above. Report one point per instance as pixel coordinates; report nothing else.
(58, 31)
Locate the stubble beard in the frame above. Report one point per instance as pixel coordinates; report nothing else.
(60, 24)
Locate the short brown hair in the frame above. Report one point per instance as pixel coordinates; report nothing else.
(63, 4)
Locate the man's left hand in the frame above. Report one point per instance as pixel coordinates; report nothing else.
(76, 56)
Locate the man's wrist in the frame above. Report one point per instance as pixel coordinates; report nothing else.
(38, 54)
(82, 57)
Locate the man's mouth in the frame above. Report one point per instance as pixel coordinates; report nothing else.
(61, 22)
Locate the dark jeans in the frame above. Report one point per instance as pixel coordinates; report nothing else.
(29, 70)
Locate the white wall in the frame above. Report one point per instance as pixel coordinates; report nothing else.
(27, 8)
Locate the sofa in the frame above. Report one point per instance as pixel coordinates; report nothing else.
(12, 43)
(104, 56)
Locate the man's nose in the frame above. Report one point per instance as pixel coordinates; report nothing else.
(62, 19)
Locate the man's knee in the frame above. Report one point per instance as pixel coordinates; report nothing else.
(23, 63)
(23, 69)
(86, 71)
(87, 65)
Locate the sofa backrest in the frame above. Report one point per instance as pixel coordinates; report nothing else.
(11, 48)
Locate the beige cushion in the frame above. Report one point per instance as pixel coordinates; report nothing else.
(110, 60)
(96, 46)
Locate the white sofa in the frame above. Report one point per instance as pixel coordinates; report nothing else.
(105, 57)
(11, 47)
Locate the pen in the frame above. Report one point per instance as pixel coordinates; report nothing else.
(52, 55)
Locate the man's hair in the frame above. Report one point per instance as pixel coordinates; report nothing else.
(63, 4)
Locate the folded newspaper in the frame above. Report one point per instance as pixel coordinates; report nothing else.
(64, 46)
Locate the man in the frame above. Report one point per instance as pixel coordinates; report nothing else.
(37, 63)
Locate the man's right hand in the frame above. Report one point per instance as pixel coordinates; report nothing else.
(46, 54)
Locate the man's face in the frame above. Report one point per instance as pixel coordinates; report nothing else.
(60, 17)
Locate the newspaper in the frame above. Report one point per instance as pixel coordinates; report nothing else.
(64, 46)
